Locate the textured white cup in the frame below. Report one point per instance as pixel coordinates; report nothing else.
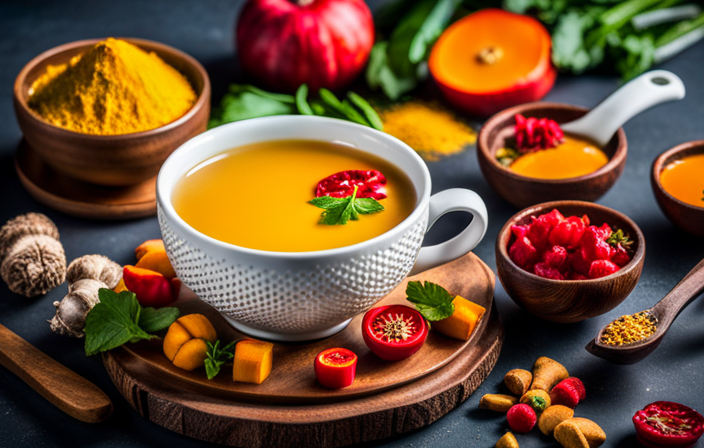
(297, 296)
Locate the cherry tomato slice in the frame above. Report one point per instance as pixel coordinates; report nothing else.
(370, 184)
(335, 368)
(668, 424)
(394, 332)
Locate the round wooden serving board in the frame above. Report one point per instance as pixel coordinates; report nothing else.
(77, 198)
(290, 408)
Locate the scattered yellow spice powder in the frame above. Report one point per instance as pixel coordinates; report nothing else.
(428, 128)
(629, 329)
(113, 88)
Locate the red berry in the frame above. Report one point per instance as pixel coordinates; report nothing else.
(620, 256)
(556, 257)
(567, 232)
(602, 268)
(521, 418)
(568, 392)
(545, 271)
(594, 246)
(578, 263)
(540, 228)
(519, 231)
(523, 253)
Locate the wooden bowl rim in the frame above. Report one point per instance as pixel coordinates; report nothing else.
(636, 260)
(483, 146)
(144, 44)
(659, 165)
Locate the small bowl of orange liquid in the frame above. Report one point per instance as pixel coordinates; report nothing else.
(575, 170)
(677, 178)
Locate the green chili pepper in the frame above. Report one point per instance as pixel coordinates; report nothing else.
(367, 109)
(301, 103)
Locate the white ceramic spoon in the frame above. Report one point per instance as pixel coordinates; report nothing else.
(639, 94)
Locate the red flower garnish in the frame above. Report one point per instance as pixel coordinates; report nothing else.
(370, 184)
(533, 133)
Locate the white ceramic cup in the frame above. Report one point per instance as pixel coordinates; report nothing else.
(298, 296)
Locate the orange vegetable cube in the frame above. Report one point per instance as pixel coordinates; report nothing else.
(149, 246)
(157, 261)
(253, 360)
(462, 322)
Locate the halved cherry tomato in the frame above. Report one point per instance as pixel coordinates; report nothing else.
(668, 424)
(394, 332)
(335, 367)
(370, 184)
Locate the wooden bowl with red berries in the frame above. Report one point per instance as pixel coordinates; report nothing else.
(523, 191)
(566, 261)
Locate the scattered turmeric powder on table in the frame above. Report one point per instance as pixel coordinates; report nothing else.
(113, 88)
(430, 129)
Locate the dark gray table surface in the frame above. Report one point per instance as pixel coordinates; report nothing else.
(204, 29)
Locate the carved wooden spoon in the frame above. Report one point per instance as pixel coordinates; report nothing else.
(666, 310)
(63, 387)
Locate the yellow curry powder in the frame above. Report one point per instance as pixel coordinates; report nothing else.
(428, 128)
(113, 88)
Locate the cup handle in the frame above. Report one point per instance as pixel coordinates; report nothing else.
(446, 201)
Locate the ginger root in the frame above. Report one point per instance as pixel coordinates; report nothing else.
(32, 260)
(86, 275)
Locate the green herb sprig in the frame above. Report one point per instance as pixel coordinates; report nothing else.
(431, 300)
(217, 357)
(340, 210)
(119, 318)
(244, 101)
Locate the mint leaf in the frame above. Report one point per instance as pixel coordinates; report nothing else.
(152, 320)
(340, 210)
(431, 300)
(366, 206)
(113, 322)
(328, 202)
(216, 357)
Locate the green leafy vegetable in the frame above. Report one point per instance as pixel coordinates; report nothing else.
(117, 319)
(244, 101)
(431, 300)
(342, 107)
(217, 357)
(340, 210)
(368, 111)
(302, 102)
(398, 65)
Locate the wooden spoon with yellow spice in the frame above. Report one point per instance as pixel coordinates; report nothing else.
(629, 339)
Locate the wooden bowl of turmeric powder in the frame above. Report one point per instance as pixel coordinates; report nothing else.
(110, 111)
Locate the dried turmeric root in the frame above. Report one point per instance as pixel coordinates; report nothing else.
(86, 275)
(547, 373)
(184, 343)
(32, 260)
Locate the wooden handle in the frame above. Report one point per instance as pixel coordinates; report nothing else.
(63, 387)
(681, 295)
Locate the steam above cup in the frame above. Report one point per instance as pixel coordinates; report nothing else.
(297, 296)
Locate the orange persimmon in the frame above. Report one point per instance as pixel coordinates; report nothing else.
(184, 343)
(149, 246)
(491, 60)
(157, 261)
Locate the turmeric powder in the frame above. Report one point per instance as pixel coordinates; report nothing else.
(428, 128)
(113, 88)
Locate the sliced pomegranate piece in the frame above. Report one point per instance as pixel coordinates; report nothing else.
(370, 184)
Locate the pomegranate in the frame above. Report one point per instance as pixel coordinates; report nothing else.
(323, 43)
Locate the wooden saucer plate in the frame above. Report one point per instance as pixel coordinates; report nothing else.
(82, 199)
(292, 379)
